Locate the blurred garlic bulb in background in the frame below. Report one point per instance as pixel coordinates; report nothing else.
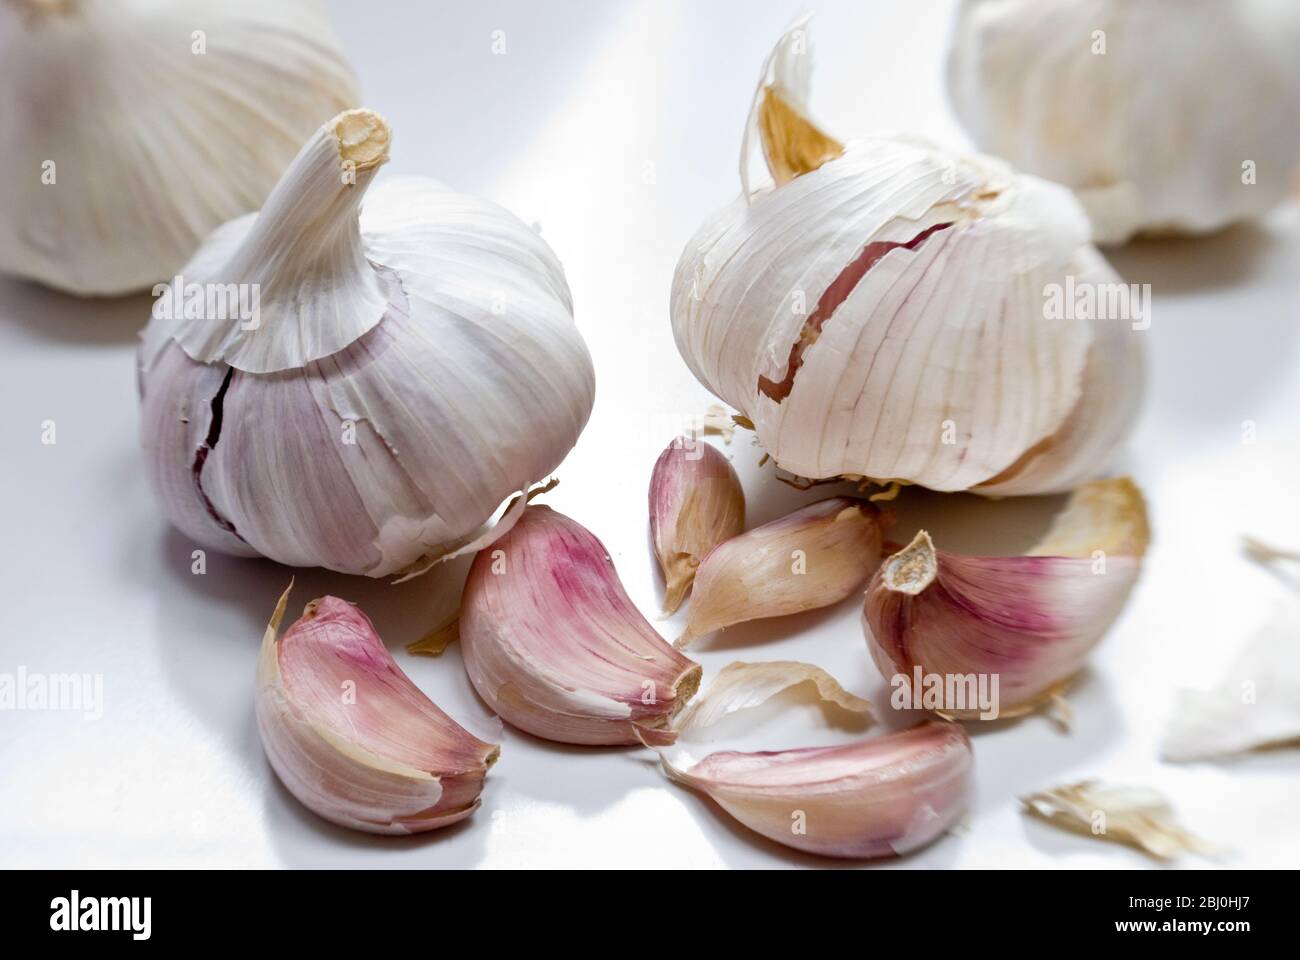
(882, 310)
(1163, 115)
(400, 373)
(133, 127)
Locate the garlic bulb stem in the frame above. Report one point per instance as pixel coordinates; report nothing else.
(308, 229)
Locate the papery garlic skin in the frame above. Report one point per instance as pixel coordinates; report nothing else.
(409, 370)
(349, 734)
(134, 128)
(1138, 816)
(808, 559)
(1162, 115)
(554, 644)
(1029, 621)
(696, 502)
(883, 315)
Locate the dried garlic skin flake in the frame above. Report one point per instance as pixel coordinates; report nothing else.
(1254, 707)
(1137, 816)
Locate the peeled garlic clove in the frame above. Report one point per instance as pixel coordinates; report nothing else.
(882, 311)
(808, 559)
(871, 798)
(1137, 816)
(1256, 705)
(401, 372)
(134, 128)
(1161, 115)
(554, 644)
(1023, 623)
(696, 502)
(352, 737)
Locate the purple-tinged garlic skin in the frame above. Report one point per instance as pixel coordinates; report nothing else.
(1029, 620)
(878, 797)
(349, 734)
(554, 644)
(412, 364)
(811, 558)
(696, 502)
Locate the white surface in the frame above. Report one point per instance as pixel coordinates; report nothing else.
(616, 126)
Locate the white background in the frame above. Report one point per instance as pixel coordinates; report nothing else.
(615, 126)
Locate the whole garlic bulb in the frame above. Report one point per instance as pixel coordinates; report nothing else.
(880, 310)
(1164, 115)
(406, 367)
(133, 127)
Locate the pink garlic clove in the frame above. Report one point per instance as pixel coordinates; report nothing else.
(1026, 623)
(554, 644)
(696, 502)
(349, 734)
(808, 559)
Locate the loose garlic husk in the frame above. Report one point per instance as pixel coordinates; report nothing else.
(808, 559)
(881, 310)
(133, 128)
(696, 502)
(407, 369)
(878, 797)
(1162, 115)
(352, 737)
(554, 644)
(960, 622)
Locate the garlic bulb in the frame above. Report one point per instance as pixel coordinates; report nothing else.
(882, 310)
(877, 797)
(554, 644)
(1023, 623)
(805, 560)
(402, 372)
(133, 128)
(696, 502)
(1164, 115)
(351, 736)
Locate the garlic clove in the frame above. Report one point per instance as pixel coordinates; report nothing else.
(1255, 706)
(882, 311)
(554, 644)
(1019, 626)
(877, 797)
(349, 734)
(696, 502)
(146, 125)
(1137, 816)
(409, 366)
(811, 558)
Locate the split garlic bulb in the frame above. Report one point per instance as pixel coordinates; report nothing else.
(882, 310)
(133, 127)
(1163, 115)
(404, 370)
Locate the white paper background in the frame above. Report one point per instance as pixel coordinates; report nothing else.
(615, 126)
